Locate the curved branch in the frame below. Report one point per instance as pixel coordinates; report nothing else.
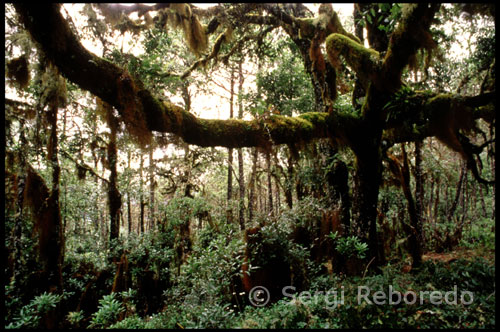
(364, 61)
(411, 34)
(140, 111)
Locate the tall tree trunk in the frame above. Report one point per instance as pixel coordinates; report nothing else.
(454, 205)
(141, 196)
(436, 201)
(229, 208)
(289, 180)
(251, 198)
(56, 249)
(152, 220)
(419, 185)
(269, 184)
(338, 187)
(114, 196)
(19, 221)
(129, 208)
(367, 181)
(241, 173)
(414, 230)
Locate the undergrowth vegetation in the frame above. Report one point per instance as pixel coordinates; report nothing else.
(206, 292)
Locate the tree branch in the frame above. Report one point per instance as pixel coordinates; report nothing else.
(411, 34)
(140, 111)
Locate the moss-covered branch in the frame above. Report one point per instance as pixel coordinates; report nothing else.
(139, 109)
(363, 61)
(142, 113)
(411, 34)
(437, 115)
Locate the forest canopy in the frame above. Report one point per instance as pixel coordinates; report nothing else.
(114, 136)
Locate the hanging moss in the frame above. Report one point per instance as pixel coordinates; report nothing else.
(44, 206)
(131, 109)
(411, 34)
(18, 71)
(180, 15)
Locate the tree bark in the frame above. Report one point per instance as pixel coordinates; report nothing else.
(241, 173)
(55, 249)
(141, 196)
(114, 196)
(414, 230)
(229, 208)
(458, 192)
(270, 210)
(129, 207)
(152, 221)
(251, 198)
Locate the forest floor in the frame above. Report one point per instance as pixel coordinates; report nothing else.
(461, 253)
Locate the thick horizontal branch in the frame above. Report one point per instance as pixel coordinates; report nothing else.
(437, 115)
(423, 115)
(142, 112)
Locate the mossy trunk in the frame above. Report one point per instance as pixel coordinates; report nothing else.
(367, 181)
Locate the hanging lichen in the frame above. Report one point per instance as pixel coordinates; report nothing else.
(44, 206)
(181, 16)
(54, 92)
(18, 72)
(131, 110)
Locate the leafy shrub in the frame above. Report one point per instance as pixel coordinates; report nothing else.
(109, 311)
(349, 246)
(205, 284)
(30, 315)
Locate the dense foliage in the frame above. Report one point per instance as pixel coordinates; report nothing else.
(111, 225)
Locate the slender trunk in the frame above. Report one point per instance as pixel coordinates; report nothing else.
(19, 219)
(429, 202)
(269, 184)
(251, 197)
(483, 204)
(129, 208)
(419, 184)
(337, 178)
(436, 202)
(414, 230)
(229, 209)
(289, 181)
(56, 246)
(151, 188)
(114, 196)
(454, 205)
(278, 196)
(141, 196)
(241, 173)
